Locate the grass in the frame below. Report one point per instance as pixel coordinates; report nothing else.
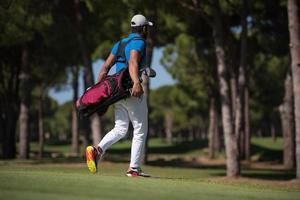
(33, 180)
(53, 148)
(268, 142)
(67, 177)
(266, 149)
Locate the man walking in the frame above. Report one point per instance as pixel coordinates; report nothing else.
(128, 52)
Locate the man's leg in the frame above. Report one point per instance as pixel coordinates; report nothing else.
(120, 129)
(93, 154)
(138, 113)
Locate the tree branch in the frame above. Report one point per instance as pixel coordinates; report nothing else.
(189, 7)
(195, 7)
(235, 7)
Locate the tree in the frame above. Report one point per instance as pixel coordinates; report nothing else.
(42, 85)
(9, 102)
(21, 23)
(37, 21)
(213, 132)
(231, 145)
(240, 100)
(75, 144)
(247, 126)
(193, 73)
(172, 106)
(24, 107)
(268, 63)
(218, 22)
(88, 70)
(293, 19)
(287, 120)
(41, 123)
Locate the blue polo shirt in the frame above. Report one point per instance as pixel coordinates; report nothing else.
(138, 45)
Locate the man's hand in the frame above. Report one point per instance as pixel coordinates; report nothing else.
(102, 76)
(137, 90)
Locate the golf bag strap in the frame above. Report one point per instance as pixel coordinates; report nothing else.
(120, 56)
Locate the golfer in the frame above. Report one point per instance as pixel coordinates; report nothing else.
(132, 109)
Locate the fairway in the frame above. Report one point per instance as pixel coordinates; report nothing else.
(72, 181)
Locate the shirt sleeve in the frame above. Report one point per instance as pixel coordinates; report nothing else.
(138, 45)
(114, 50)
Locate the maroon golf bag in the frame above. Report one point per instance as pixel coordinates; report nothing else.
(100, 96)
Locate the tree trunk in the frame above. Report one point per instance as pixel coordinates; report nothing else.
(86, 122)
(212, 137)
(8, 126)
(233, 92)
(8, 129)
(75, 135)
(95, 123)
(41, 127)
(82, 43)
(293, 19)
(96, 128)
(23, 135)
(24, 106)
(217, 144)
(287, 121)
(146, 81)
(75, 145)
(169, 127)
(9, 107)
(273, 131)
(247, 127)
(240, 102)
(231, 147)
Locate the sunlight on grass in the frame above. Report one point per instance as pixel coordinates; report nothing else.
(267, 142)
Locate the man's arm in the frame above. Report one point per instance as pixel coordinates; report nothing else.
(106, 67)
(137, 89)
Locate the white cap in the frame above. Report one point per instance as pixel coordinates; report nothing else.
(140, 20)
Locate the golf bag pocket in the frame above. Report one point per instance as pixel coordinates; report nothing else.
(98, 92)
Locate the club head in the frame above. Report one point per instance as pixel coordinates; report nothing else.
(149, 72)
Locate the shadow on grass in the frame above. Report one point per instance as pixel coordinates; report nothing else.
(266, 154)
(167, 162)
(58, 160)
(274, 175)
(264, 174)
(216, 170)
(178, 148)
(181, 163)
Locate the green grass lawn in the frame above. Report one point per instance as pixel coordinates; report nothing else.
(267, 142)
(67, 177)
(32, 180)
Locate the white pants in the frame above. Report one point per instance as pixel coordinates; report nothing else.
(135, 110)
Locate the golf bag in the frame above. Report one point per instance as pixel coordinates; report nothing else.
(100, 96)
